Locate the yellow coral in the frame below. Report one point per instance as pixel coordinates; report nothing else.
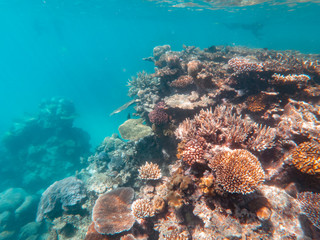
(238, 171)
(306, 158)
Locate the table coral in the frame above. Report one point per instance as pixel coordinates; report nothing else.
(112, 211)
(238, 171)
(241, 65)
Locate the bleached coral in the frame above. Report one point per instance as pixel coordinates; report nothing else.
(150, 171)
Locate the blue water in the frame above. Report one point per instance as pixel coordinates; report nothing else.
(86, 51)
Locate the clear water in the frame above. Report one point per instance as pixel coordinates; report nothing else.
(86, 50)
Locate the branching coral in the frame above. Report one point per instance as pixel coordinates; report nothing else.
(112, 211)
(300, 118)
(226, 126)
(142, 208)
(192, 151)
(306, 158)
(241, 65)
(299, 80)
(310, 206)
(238, 171)
(150, 171)
(141, 82)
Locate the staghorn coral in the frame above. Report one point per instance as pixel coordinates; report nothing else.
(192, 151)
(150, 171)
(112, 212)
(306, 158)
(142, 208)
(310, 206)
(299, 80)
(226, 126)
(241, 65)
(238, 171)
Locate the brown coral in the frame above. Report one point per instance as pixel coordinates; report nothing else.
(142, 208)
(182, 81)
(112, 211)
(306, 158)
(256, 103)
(194, 67)
(150, 171)
(290, 79)
(241, 65)
(238, 171)
(310, 206)
(192, 151)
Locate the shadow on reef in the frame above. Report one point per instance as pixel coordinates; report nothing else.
(226, 146)
(45, 146)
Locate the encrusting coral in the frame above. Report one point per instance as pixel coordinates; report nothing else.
(238, 171)
(150, 171)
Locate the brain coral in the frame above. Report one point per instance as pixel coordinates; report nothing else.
(238, 171)
(112, 211)
(310, 206)
(306, 158)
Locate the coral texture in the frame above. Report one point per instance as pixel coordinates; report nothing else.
(112, 212)
(226, 126)
(158, 115)
(192, 151)
(310, 205)
(241, 65)
(306, 158)
(68, 192)
(238, 171)
(150, 171)
(142, 208)
(299, 80)
(182, 82)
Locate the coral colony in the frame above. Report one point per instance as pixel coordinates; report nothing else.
(226, 146)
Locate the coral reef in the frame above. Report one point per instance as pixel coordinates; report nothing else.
(43, 142)
(68, 193)
(233, 149)
(134, 129)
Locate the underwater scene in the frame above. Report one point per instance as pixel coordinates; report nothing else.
(159, 120)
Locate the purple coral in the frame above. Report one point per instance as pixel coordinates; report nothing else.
(158, 116)
(68, 192)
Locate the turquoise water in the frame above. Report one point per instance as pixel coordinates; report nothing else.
(85, 51)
